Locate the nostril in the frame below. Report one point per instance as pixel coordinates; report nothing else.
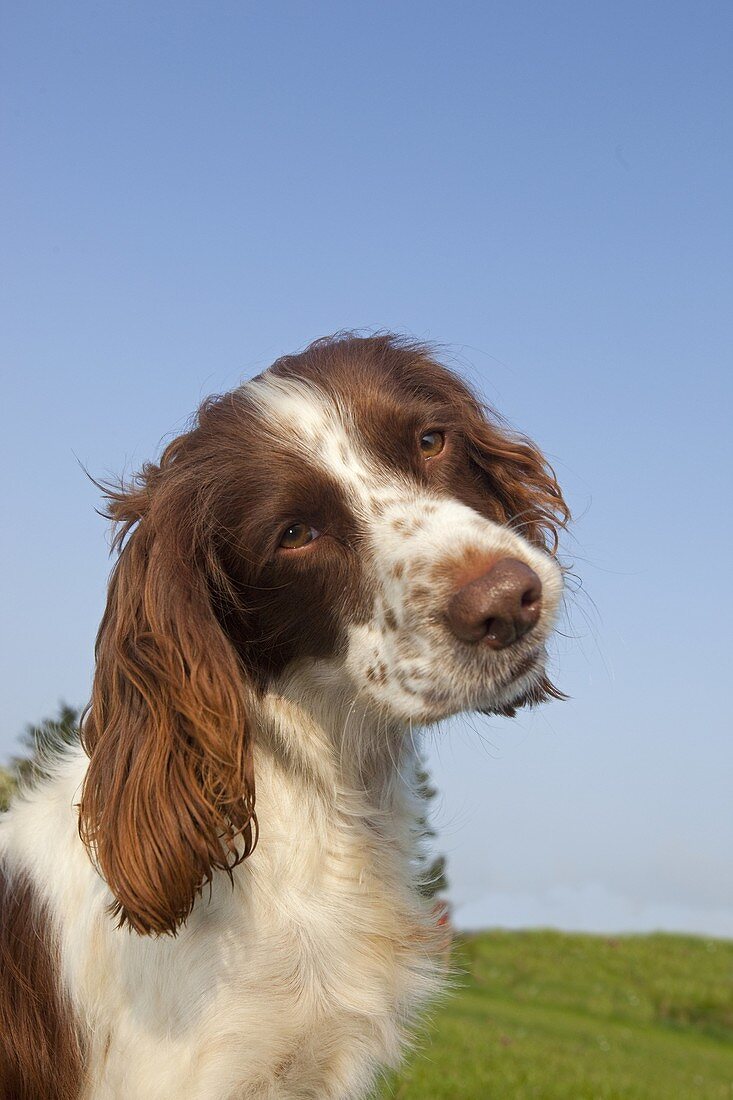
(530, 606)
(499, 632)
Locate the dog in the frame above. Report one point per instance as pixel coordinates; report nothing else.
(215, 894)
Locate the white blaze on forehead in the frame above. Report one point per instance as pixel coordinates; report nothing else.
(289, 404)
(312, 423)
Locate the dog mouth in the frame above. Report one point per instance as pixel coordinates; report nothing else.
(533, 694)
(525, 665)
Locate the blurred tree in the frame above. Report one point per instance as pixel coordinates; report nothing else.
(433, 880)
(7, 786)
(45, 740)
(39, 743)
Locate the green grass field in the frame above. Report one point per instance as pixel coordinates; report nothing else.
(575, 1017)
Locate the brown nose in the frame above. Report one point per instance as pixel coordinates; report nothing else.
(499, 607)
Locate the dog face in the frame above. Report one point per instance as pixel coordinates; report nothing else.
(403, 536)
(352, 511)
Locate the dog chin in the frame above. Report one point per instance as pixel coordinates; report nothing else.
(540, 690)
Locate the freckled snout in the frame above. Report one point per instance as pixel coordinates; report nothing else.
(498, 608)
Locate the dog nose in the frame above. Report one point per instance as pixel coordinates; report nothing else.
(498, 608)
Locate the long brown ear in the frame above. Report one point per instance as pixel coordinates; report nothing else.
(519, 479)
(169, 794)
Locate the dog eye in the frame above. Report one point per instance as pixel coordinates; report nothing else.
(297, 535)
(432, 443)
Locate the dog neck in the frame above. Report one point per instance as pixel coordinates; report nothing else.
(315, 724)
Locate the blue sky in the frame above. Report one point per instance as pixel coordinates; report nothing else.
(192, 189)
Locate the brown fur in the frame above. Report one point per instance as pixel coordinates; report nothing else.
(40, 1058)
(170, 789)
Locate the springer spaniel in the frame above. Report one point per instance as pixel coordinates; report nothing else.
(343, 549)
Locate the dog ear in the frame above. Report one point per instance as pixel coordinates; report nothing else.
(169, 794)
(520, 481)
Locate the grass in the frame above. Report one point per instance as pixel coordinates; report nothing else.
(577, 1017)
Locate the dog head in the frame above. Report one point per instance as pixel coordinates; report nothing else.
(353, 510)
